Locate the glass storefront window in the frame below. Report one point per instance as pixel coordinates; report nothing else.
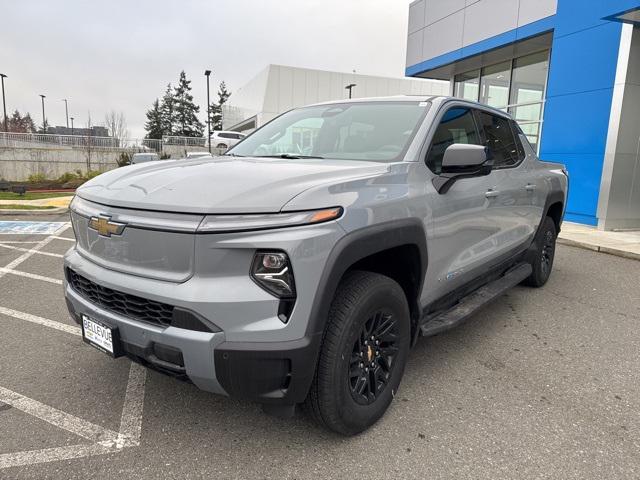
(494, 85)
(467, 85)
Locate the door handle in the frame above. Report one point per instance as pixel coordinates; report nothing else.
(491, 193)
(530, 187)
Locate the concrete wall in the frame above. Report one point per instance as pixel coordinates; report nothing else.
(16, 164)
(443, 27)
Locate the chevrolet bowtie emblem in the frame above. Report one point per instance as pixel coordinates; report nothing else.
(105, 227)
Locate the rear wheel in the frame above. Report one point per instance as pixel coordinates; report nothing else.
(221, 145)
(545, 248)
(363, 354)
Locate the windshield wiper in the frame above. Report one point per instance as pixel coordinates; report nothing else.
(232, 155)
(291, 156)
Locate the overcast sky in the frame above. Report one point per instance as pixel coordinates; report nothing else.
(119, 55)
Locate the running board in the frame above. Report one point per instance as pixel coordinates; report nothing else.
(471, 303)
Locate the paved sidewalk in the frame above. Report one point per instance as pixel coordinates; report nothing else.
(623, 244)
(62, 201)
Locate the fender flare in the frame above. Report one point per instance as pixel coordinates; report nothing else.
(358, 245)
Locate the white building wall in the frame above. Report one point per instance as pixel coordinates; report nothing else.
(437, 27)
(279, 88)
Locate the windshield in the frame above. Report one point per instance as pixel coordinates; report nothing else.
(375, 131)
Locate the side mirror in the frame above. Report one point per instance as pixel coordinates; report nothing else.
(462, 161)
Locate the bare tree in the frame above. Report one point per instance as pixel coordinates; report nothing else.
(117, 125)
(88, 144)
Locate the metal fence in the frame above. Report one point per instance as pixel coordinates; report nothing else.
(135, 145)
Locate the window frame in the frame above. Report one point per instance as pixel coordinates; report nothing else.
(444, 108)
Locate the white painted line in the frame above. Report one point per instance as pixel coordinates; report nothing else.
(131, 420)
(26, 255)
(20, 249)
(18, 241)
(32, 457)
(72, 329)
(30, 275)
(56, 237)
(58, 418)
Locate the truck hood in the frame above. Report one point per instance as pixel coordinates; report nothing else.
(219, 185)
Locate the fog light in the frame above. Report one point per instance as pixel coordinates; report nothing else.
(272, 271)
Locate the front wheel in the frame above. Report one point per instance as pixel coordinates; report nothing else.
(545, 249)
(363, 354)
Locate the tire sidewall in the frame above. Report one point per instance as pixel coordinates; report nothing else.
(389, 297)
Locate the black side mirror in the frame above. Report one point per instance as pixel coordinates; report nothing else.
(462, 161)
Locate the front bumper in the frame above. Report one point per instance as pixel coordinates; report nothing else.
(251, 354)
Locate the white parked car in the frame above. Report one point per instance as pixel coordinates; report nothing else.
(225, 139)
(144, 157)
(198, 154)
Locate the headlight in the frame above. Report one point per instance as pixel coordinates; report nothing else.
(272, 271)
(235, 223)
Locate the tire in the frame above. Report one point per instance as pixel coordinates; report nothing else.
(542, 260)
(342, 397)
(221, 145)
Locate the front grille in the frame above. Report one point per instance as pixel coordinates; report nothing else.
(122, 303)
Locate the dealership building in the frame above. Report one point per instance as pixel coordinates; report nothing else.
(567, 70)
(279, 88)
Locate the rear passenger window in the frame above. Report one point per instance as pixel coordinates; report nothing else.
(500, 139)
(457, 126)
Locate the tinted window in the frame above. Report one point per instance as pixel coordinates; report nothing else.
(456, 126)
(516, 133)
(498, 136)
(226, 135)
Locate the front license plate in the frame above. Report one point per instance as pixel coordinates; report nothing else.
(101, 336)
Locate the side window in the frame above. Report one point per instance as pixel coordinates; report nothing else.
(457, 126)
(499, 138)
(516, 131)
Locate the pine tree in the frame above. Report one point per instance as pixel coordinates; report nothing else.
(153, 126)
(168, 112)
(186, 111)
(216, 108)
(19, 124)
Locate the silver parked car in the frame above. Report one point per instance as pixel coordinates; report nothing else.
(301, 267)
(224, 139)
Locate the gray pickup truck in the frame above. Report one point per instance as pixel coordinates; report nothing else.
(300, 267)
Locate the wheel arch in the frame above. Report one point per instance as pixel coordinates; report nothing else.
(386, 248)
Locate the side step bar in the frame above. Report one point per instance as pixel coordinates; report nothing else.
(469, 304)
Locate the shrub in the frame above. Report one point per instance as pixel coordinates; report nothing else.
(92, 173)
(165, 156)
(37, 178)
(67, 177)
(124, 159)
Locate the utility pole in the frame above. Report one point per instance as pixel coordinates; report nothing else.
(71, 125)
(44, 119)
(66, 111)
(4, 104)
(207, 73)
(350, 87)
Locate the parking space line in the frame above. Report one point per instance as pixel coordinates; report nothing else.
(131, 419)
(72, 329)
(20, 249)
(31, 457)
(30, 275)
(18, 241)
(57, 418)
(27, 255)
(57, 237)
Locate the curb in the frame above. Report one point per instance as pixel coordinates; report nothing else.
(48, 211)
(597, 248)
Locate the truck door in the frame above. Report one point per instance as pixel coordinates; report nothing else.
(460, 239)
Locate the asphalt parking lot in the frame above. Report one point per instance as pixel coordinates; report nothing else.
(541, 384)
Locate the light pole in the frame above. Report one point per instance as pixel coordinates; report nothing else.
(4, 104)
(350, 87)
(66, 111)
(207, 73)
(44, 119)
(71, 125)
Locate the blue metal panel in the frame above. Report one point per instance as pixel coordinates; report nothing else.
(579, 92)
(520, 33)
